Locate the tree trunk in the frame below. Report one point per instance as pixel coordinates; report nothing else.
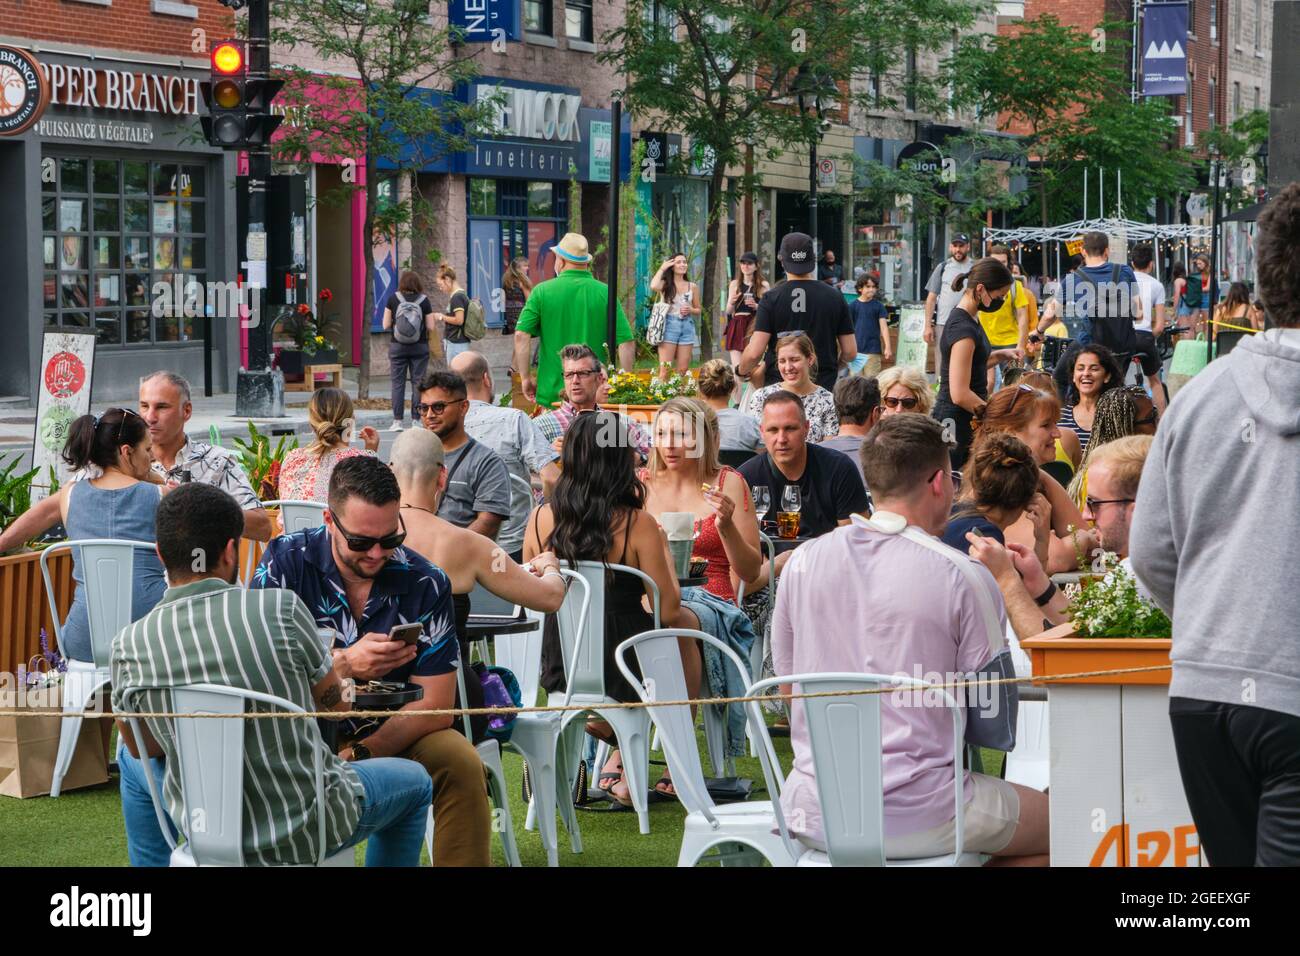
(368, 250)
(712, 244)
(1042, 212)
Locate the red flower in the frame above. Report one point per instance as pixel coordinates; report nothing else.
(326, 295)
(304, 309)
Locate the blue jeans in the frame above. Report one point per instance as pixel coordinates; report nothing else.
(393, 815)
(452, 349)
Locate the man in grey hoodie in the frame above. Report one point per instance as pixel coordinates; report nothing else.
(1215, 536)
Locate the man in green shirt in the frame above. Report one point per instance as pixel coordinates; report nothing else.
(565, 311)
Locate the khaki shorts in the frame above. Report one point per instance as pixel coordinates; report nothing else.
(988, 824)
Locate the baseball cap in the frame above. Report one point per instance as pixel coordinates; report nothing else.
(748, 257)
(961, 237)
(796, 253)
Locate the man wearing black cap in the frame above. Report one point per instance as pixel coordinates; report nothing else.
(801, 304)
(940, 298)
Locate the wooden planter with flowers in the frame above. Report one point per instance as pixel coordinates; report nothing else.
(638, 395)
(1117, 797)
(24, 610)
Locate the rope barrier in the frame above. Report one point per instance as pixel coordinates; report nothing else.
(612, 705)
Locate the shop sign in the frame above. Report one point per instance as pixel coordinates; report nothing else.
(600, 146)
(124, 90)
(661, 148)
(67, 363)
(24, 92)
(549, 115)
(482, 21)
(922, 158)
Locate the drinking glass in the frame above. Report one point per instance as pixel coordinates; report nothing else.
(791, 499)
(762, 502)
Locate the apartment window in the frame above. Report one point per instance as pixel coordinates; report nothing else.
(1259, 24)
(911, 80)
(578, 20)
(537, 16)
(1236, 27)
(1189, 132)
(112, 230)
(1191, 18)
(1257, 97)
(1236, 101)
(1214, 21)
(1210, 108)
(952, 52)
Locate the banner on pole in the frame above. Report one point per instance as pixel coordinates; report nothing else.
(911, 337)
(1164, 49)
(485, 21)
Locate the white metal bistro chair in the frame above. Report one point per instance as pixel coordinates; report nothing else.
(549, 743)
(297, 515)
(585, 684)
(845, 736)
(749, 825)
(210, 754)
(107, 567)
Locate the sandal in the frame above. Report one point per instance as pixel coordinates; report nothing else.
(615, 776)
(663, 782)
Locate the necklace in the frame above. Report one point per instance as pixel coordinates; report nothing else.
(418, 508)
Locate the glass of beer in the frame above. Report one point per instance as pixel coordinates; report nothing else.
(787, 524)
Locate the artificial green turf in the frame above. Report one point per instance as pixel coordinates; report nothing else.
(84, 827)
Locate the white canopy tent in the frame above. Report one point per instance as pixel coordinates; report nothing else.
(1127, 229)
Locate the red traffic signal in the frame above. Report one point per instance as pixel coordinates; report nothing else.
(228, 58)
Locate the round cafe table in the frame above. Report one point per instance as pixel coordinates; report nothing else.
(481, 630)
(692, 582)
(369, 700)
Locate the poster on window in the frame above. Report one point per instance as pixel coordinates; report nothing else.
(541, 245)
(67, 363)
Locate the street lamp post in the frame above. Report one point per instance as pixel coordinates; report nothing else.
(810, 88)
(1216, 170)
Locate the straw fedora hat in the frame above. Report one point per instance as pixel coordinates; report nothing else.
(573, 248)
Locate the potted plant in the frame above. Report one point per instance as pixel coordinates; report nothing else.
(307, 334)
(262, 463)
(639, 399)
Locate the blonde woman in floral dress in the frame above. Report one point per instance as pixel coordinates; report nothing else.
(305, 474)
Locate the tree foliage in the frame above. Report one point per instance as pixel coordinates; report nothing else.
(379, 123)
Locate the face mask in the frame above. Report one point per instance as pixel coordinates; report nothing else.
(994, 304)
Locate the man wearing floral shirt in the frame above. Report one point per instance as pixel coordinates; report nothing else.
(583, 378)
(355, 577)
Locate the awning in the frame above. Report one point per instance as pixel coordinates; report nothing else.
(1248, 214)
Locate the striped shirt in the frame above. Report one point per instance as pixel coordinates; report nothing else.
(208, 631)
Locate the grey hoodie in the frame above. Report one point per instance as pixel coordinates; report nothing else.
(1216, 530)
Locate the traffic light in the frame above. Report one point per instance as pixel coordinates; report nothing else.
(239, 107)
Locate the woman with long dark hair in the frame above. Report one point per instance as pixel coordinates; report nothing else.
(743, 293)
(117, 499)
(965, 355)
(597, 513)
(683, 298)
(1095, 370)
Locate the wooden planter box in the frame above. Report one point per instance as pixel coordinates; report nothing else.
(1116, 794)
(638, 413)
(24, 609)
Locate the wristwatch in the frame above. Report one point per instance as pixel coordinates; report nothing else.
(360, 751)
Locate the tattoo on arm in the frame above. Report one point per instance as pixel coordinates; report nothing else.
(332, 695)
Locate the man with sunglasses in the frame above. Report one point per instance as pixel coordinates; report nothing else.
(583, 378)
(355, 577)
(1114, 471)
(478, 484)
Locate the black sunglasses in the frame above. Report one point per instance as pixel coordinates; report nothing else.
(435, 408)
(362, 543)
(907, 403)
(1092, 504)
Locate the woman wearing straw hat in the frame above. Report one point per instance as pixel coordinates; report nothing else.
(567, 311)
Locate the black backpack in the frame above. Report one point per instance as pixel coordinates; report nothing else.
(1111, 327)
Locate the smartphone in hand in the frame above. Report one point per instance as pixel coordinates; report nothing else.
(406, 633)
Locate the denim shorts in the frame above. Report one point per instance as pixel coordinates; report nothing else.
(679, 330)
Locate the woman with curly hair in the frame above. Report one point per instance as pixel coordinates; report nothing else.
(1094, 371)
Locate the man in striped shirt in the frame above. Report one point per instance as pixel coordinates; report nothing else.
(207, 629)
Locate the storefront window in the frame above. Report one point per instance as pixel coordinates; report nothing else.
(482, 197)
(539, 200)
(114, 229)
(882, 245)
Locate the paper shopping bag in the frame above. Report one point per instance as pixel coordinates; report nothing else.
(29, 745)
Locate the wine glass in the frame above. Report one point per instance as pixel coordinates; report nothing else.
(791, 499)
(762, 502)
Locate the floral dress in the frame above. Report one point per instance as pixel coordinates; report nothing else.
(818, 406)
(305, 477)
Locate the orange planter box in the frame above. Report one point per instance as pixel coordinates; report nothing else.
(1062, 651)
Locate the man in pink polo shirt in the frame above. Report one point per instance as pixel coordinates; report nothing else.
(904, 606)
